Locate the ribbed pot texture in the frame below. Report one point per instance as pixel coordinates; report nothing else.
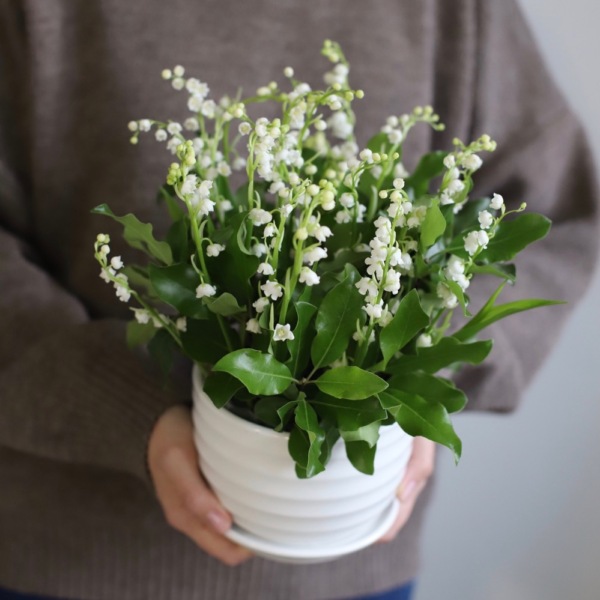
(251, 471)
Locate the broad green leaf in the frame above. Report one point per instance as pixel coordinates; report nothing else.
(298, 447)
(368, 434)
(460, 295)
(139, 334)
(379, 143)
(504, 271)
(203, 341)
(138, 278)
(350, 383)
(308, 421)
(407, 322)
(223, 187)
(225, 304)
(467, 218)
(431, 388)
(420, 417)
(139, 235)
(433, 226)
(162, 349)
(362, 456)
(513, 236)
(447, 351)
(267, 410)
(283, 412)
(299, 347)
(342, 258)
(234, 268)
(332, 435)
(261, 373)
(496, 313)
(336, 321)
(430, 166)
(178, 240)
(220, 388)
(349, 416)
(174, 205)
(176, 285)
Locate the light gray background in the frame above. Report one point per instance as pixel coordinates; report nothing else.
(519, 518)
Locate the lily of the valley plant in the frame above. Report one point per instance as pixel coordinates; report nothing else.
(317, 298)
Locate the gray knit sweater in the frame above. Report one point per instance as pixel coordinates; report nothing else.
(78, 518)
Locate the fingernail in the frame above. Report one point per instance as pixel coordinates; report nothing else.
(218, 520)
(407, 491)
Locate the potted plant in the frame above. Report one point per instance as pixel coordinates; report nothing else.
(316, 300)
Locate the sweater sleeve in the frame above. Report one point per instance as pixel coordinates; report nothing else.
(542, 159)
(70, 389)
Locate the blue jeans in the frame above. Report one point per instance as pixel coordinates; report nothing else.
(8, 595)
(401, 593)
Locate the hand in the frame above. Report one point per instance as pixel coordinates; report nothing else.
(419, 470)
(188, 504)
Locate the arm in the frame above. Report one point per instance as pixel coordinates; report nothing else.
(543, 159)
(69, 387)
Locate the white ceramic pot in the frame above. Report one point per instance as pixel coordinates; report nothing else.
(249, 468)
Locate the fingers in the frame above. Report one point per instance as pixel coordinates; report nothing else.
(418, 471)
(188, 504)
(210, 541)
(194, 495)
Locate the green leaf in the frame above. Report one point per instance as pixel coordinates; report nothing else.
(162, 349)
(362, 456)
(433, 226)
(491, 315)
(225, 305)
(368, 434)
(298, 447)
(138, 277)
(283, 412)
(460, 295)
(223, 187)
(178, 240)
(299, 347)
(467, 218)
(447, 351)
(349, 416)
(504, 271)
(174, 205)
(420, 417)
(336, 321)
(234, 268)
(379, 143)
(220, 388)
(139, 235)
(139, 334)
(431, 388)
(350, 383)
(407, 322)
(430, 166)
(513, 236)
(308, 421)
(267, 410)
(176, 285)
(332, 435)
(261, 373)
(203, 341)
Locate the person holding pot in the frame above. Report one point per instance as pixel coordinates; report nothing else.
(101, 493)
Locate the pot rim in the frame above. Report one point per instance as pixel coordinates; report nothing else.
(225, 414)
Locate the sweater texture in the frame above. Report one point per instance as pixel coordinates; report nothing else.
(78, 518)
